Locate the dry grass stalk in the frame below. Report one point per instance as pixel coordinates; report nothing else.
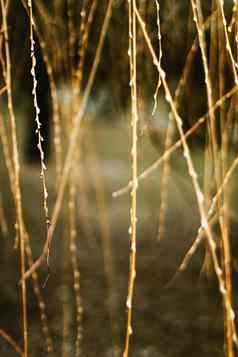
(233, 18)
(212, 156)
(212, 207)
(72, 219)
(37, 118)
(198, 192)
(210, 147)
(67, 308)
(201, 233)
(40, 299)
(133, 211)
(160, 55)
(53, 91)
(227, 41)
(72, 33)
(192, 250)
(10, 167)
(225, 222)
(165, 172)
(85, 27)
(36, 284)
(176, 145)
(11, 342)
(164, 187)
(168, 142)
(75, 266)
(211, 210)
(198, 18)
(16, 170)
(72, 145)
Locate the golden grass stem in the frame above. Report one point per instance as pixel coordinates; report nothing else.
(53, 92)
(72, 146)
(133, 211)
(75, 266)
(160, 55)
(224, 222)
(176, 145)
(36, 284)
(211, 210)
(170, 133)
(11, 342)
(198, 192)
(37, 118)
(84, 31)
(227, 41)
(16, 168)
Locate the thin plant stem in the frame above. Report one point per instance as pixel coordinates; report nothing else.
(160, 55)
(75, 266)
(133, 211)
(168, 142)
(197, 189)
(176, 145)
(16, 168)
(227, 41)
(11, 342)
(72, 146)
(211, 210)
(225, 247)
(84, 31)
(36, 284)
(166, 169)
(233, 18)
(53, 92)
(37, 118)
(229, 323)
(40, 299)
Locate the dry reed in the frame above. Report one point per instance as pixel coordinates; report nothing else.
(133, 210)
(16, 173)
(64, 51)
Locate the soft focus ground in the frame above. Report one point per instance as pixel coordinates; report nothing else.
(169, 320)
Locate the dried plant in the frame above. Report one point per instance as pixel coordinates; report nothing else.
(74, 39)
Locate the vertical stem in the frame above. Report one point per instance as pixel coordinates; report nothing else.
(75, 266)
(36, 284)
(133, 213)
(199, 194)
(37, 118)
(229, 323)
(16, 175)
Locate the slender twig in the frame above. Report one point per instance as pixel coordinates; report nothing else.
(72, 146)
(192, 173)
(177, 145)
(11, 342)
(37, 118)
(133, 211)
(16, 168)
